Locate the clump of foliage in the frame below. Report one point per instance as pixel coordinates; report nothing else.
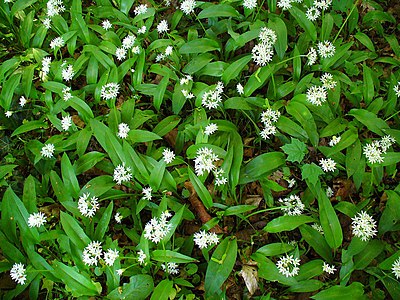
(199, 150)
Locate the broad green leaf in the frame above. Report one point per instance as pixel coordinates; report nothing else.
(200, 189)
(166, 125)
(365, 257)
(391, 214)
(238, 209)
(261, 166)
(368, 89)
(87, 161)
(219, 10)
(306, 286)
(6, 169)
(279, 26)
(304, 22)
(275, 249)
(269, 271)
(102, 226)
(157, 175)
(199, 46)
(311, 172)
(354, 291)
(139, 287)
(142, 136)
(370, 120)
(162, 290)
(171, 256)
(235, 68)
(20, 5)
(68, 175)
(287, 223)
(29, 126)
(317, 241)
(74, 231)
(365, 40)
(296, 150)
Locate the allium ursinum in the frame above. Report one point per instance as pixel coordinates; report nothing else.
(318, 228)
(118, 218)
(36, 219)
(46, 61)
(328, 269)
(187, 94)
(128, 41)
(47, 150)
(311, 56)
(186, 80)
(162, 26)
(18, 273)
(47, 23)
(292, 205)
(386, 142)
(141, 257)
(396, 268)
(326, 49)
(8, 113)
(322, 4)
(220, 179)
(55, 7)
(92, 253)
(68, 73)
(88, 206)
(120, 271)
(187, 6)
(168, 155)
(396, 89)
(288, 265)
(313, 13)
(284, 4)
(329, 192)
(168, 50)
(262, 53)
(204, 161)
(140, 10)
(142, 30)
(328, 165)
(157, 228)
(316, 95)
(106, 24)
(327, 81)
(210, 129)
(170, 268)
(364, 226)
(334, 141)
(240, 89)
(122, 174)
(147, 193)
(269, 117)
(123, 130)
(250, 4)
(120, 53)
(110, 90)
(205, 239)
(22, 101)
(212, 98)
(66, 93)
(291, 182)
(110, 256)
(57, 42)
(373, 151)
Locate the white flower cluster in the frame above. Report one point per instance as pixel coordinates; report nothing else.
(268, 118)
(292, 205)
(140, 9)
(364, 226)
(47, 150)
(110, 91)
(334, 141)
(396, 89)
(328, 269)
(147, 193)
(187, 6)
(106, 24)
(167, 52)
(318, 228)
(57, 42)
(325, 49)
(327, 81)
(250, 4)
(314, 12)
(170, 268)
(66, 93)
(55, 7)
(212, 98)
(168, 155)
(22, 101)
(240, 89)
(127, 44)
(68, 73)
(36, 219)
(329, 192)
(157, 228)
(204, 161)
(118, 218)
(162, 26)
(373, 151)
(122, 174)
(93, 253)
(287, 4)
(86, 206)
(123, 130)
(318, 94)
(46, 61)
(262, 53)
(396, 268)
(18, 273)
(210, 129)
(141, 256)
(288, 265)
(66, 122)
(328, 165)
(205, 239)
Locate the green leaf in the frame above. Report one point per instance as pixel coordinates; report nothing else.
(365, 257)
(279, 26)
(74, 231)
(305, 23)
(391, 214)
(369, 119)
(316, 241)
(238, 209)
(261, 166)
(142, 136)
(311, 172)
(365, 40)
(87, 161)
(102, 226)
(199, 46)
(220, 266)
(162, 290)
(368, 89)
(306, 286)
(200, 189)
(287, 223)
(219, 10)
(354, 291)
(68, 175)
(268, 270)
(275, 249)
(296, 150)
(139, 287)
(6, 169)
(235, 68)
(166, 125)
(20, 5)
(29, 126)
(171, 256)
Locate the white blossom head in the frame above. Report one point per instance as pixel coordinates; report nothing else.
(364, 226)
(288, 265)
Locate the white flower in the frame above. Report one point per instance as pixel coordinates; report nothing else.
(187, 6)
(386, 142)
(328, 269)
(212, 98)
(316, 95)
(140, 10)
(118, 218)
(292, 205)
(47, 150)
(66, 122)
(142, 30)
(120, 271)
(68, 73)
(57, 42)
(18, 274)
(22, 101)
(92, 253)
(168, 50)
(36, 219)
(110, 256)
(122, 174)
(109, 91)
(250, 4)
(262, 54)
(318, 228)
(106, 24)
(322, 4)
(186, 80)
(128, 41)
(47, 23)
(240, 89)
(268, 130)
(136, 50)
(8, 113)
(160, 57)
(66, 93)
(170, 268)
(168, 155)
(284, 4)
(267, 36)
(187, 94)
(86, 206)
(396, 89)
(313, 13)
(373, 152)
(328, 165)
(162, 26)
(141, 256)
(120, 53)
(327, 81)
(270, 116)
(204, 161)
(210, 129)
(326, 49)
(334, 141)
(147, 193)
(291, 182)
(157, 228)
(396, 268)
(288, 265)
(205, 239)
(123, 130)
(54, 7)
(46, 61)
(311, 56)
(219, 178)
(364, 226)
(329, 192)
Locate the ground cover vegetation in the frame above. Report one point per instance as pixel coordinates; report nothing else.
(199, 150)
